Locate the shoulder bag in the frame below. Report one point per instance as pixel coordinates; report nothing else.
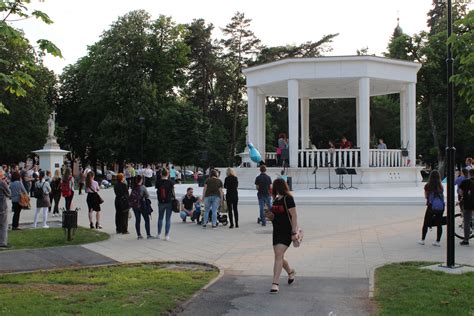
(299, 231)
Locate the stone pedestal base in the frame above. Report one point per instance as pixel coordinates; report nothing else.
(51, 157)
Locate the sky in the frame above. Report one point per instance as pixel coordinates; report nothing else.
(362, 23)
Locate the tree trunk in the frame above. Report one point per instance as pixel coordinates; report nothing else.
(434, 133)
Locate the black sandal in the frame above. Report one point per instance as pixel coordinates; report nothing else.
(275, 291)
(291, 276)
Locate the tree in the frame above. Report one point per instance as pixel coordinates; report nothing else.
(241, 46)
(16, 71)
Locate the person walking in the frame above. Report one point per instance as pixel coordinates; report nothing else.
(5, 193)
(264, 186)
(466, 190)
(67, 188)
(285, 230)
(93, 200)
(173, 174)
(213, 196)
(82, 180)
(434, 207)
(122, 206)
(55, 194)
(148, 174)
(16, 188)
(41, 192)
(165, 193)
(231, 183)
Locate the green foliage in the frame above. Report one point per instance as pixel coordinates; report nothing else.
(53, 237)
(141, 289)
(406, 289)
(15, 77)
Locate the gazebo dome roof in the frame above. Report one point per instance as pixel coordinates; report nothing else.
(332, 76)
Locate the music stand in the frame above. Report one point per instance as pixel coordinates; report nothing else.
(352, 172)
(341, 172)
(329, 165)
(315, 179)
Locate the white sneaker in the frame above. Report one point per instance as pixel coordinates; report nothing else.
(45, 226)
(167, 237)
(421, 242)
(158, 237)
(436, 244)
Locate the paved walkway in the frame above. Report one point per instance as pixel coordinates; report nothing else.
(342, 242)
(50, 258)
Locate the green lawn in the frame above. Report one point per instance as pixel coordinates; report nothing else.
(142, 289)
(52, 237)
(404, 289)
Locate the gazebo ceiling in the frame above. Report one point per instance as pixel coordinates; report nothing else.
(331, 88)
(332, 77)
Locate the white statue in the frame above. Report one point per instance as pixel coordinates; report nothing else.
(51, 124)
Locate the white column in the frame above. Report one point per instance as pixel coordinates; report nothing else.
(364, 121)
(304, 122)
(403, 118)
(251, 114)
(261, 130)
(358, 121)
(293, 95)
(411, 122)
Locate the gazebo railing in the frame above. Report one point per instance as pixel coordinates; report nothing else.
(387, 158)
(348, 158)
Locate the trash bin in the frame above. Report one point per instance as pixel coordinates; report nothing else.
(69, 223)
(290, 183)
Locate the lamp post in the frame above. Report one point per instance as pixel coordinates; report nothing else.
(141, 120)
(450, 152)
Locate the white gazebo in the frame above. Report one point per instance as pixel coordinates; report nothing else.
(358, 77)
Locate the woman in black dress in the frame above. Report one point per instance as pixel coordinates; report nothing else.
(122, 206)
(231, 183)
(285, 227)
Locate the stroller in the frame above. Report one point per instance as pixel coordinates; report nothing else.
(222, 217)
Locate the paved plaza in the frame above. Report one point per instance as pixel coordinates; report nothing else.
(342, 243)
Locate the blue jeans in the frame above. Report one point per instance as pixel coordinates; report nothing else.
(262, 201)
(184, 214)
(162, 209)
(138, 214)
(211, 203)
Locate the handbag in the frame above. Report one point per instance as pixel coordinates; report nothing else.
(24, 201)
(99, 198)
(174, 203)
(299, 231)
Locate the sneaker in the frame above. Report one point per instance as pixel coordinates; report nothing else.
(204, 226)
(214, 226)
(436, 244)
(150, 237)
(421, 242)
(158, 237)
(167, 237)
(45, 226)
(464, 243)
(140, 237)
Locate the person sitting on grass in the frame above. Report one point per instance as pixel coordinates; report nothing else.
(187, 206)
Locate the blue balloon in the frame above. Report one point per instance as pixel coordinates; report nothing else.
(254, 154)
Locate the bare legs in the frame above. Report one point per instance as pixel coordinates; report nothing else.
(279, 264)
(97, 218)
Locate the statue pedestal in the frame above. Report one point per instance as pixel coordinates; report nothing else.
(51, 157)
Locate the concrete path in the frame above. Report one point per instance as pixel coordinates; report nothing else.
(50, 258)
(248, 295)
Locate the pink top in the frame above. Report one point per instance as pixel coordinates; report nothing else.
(93, 188)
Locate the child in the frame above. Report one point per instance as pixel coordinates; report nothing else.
(197, 211)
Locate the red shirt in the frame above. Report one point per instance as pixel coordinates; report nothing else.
(346, 145)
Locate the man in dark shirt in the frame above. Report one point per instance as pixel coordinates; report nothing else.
(467, 192)
(187, 206)
(264, 185)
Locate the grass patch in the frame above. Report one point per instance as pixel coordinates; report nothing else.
(405, 289)
(142, 289)
(52, 237)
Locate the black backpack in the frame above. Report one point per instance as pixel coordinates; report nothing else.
(468, 196)
(38, 192)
